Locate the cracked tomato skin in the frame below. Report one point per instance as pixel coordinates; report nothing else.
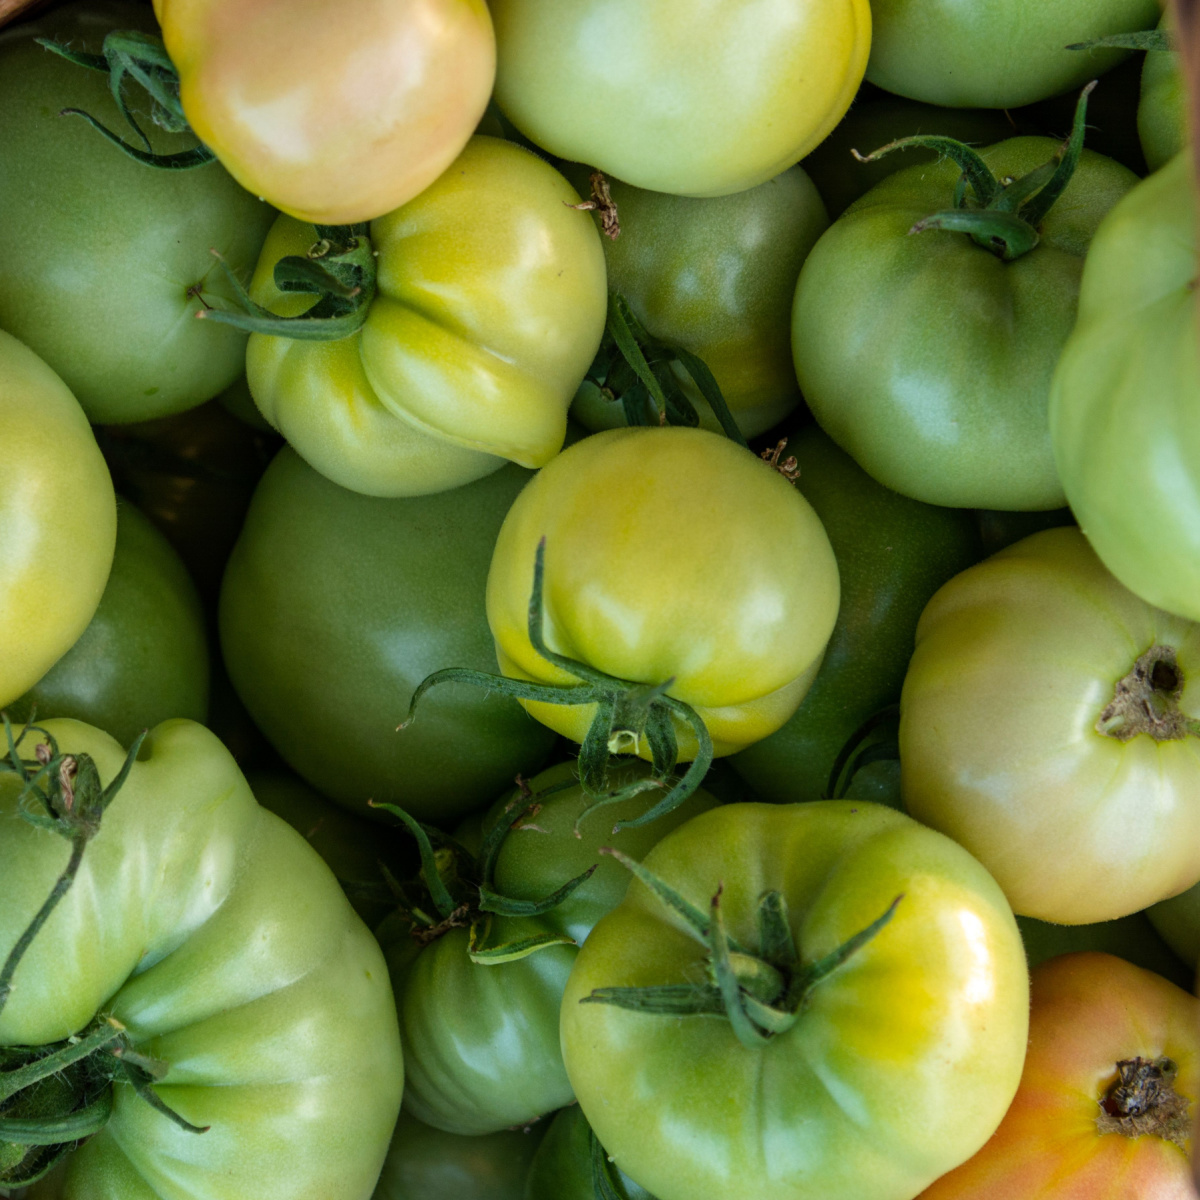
(332, 116)
(663, 562)
(225, 946)
(922, 1029)
(490, 307)
(694, 99)
(1089, 1012)
(1015, 663)
(58, 520)
(1126, 394)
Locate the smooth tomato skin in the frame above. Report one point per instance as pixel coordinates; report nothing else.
(892, 554)
(924, 1027)
(1133, 938)
(1016, 659)
(1089, 1012)
(108, 262)
(335, 606)
(224, 945)
(1162, 113)
(481, 1048)
(1178, 922)
(562, 1166)
(667, 96)
(1123, 411)
(716, 277)
(997, 55)
(949, 404)
(662, 561)
(58, 520)
(143, 658)
(428, 1164)
(332, 117)
(479, 335)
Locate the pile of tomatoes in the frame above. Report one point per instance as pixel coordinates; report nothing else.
(599, 600)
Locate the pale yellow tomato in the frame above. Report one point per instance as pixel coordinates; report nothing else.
(1049, 723)
(58, 519)
(696, 97)
(333, 113)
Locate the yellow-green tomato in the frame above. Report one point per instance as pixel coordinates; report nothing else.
(716, 277)
(899, 1064)
(699, 99)
(491, 304)
(1049, 724)
(664, 562)
(58, 519)
(1163, 111)
(334, 114)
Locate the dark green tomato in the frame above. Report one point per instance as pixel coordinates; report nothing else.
(1163, 111)
(715, 276)
(542, 851)
(562, 1166)
(424, 1163)
(335, 606)
(106, 262)
(893, 554)
(1000, 529)
(874, 122)
(193, 475)
(356, 851)
(1132, 938)
(927, 357)
(480, 1042)
(144, 657)
(1178, 922)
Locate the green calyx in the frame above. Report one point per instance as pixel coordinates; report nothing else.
(1001, 215)
(626, 713)
(636, 370)
(761, 992)
(128, 56)
(1144, 39)
(339, 270)
(53, 1097)
(456, 888)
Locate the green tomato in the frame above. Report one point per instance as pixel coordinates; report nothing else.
(562, 1166)
(224, 947)
(428, 1164)
(1163, 112)
(144, 657)
(472, 347)
(878, 120)
(558, 841)
(922, 1028)
(999, 54)
(481, 1044)
(715, 277)
(1048, 723)
(1123, 412)
(1178, 922)
(1133, 938)
(949, 404)
(106, 261)
(352, 848)
(335, 606)
(58, 520)
(892, 555)
(675, 101)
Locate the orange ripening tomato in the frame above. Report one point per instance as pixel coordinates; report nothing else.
(1106, 1102)
(334, 116)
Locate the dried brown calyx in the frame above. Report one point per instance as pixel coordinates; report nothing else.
(1142, 1101)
